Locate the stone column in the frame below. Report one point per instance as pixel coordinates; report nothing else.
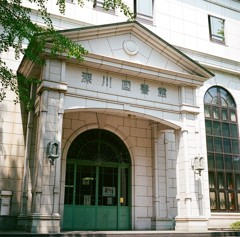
(44, 216)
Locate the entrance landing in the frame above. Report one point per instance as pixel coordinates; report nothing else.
(124, 234)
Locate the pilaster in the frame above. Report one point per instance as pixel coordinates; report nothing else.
(189, 186)
(162, 219)
(44, 216)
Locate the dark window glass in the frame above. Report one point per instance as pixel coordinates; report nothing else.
(209, 143)
(224, 115)
(215, 101)
(216, 114)
(219, 161)
(208, 99)
(234, 130)
(230, 102)
(225, 129)
(230, 184)
(236, 161)
(221, 184)
(228, 162)
(108, 186)
(218, 144)
(235, 147)
(227, 145)
(211, 161)
(209, 127)
(233, 116)
(211, 180)
(223, 102)
(69, 184)
(216, 128)
(237, 178)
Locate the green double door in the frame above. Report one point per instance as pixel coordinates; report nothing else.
(97, 197)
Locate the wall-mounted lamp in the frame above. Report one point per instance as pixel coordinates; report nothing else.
(198, 164)
(53, 151)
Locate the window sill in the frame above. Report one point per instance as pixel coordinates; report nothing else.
(218, 42)
(101, 9)
(144, 19)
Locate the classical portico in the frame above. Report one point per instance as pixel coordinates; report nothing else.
(135, 87)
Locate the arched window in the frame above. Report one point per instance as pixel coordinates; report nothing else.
(223, 150)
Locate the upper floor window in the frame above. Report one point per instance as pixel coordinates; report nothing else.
(99, 5)
(144, 9)
(216, 29)
(222, 150)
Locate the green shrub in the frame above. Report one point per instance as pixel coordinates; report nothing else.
(235, 225)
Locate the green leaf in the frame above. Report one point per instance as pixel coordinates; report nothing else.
(19, 30)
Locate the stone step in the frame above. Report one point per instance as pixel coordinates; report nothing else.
(124, 234)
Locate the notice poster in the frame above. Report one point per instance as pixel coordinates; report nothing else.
(87, 199)
(109, 191)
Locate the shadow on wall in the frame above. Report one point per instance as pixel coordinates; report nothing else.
(11, 165)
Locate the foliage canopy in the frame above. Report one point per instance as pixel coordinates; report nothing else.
(17, 30)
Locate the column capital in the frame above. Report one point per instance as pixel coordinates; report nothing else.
(59, 86)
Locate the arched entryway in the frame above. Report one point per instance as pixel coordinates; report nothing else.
(97, 183)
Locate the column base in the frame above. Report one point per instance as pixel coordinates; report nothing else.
(158, 223)
(191, 224)
(37, 223)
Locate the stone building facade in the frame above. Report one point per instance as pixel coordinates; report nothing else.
(141, 135)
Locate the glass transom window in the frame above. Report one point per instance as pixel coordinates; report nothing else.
(223, 150)
(144, 10)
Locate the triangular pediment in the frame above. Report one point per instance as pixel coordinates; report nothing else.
(131, 49)
(131, 44)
